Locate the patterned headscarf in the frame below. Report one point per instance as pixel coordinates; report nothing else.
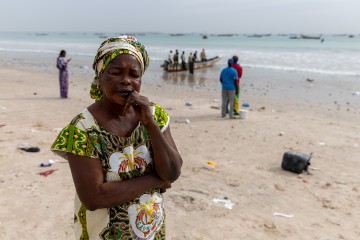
(111, 48)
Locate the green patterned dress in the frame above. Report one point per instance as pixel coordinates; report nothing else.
(121, 158)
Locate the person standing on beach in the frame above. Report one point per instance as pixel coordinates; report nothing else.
(176, 60)
(228, 79)
(61, 64)
(170, 57)
(195, 56)
(191, 63)
(239, 71)
(120, 150)
(203, 56)
(176, 57)
(183, 62)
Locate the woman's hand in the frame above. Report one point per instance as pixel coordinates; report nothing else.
(141, 106)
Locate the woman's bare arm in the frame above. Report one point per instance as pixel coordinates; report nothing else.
(167, 159)
(94, 193)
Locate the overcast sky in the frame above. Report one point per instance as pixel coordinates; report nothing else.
(181, 16)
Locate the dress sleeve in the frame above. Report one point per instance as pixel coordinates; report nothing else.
(77, 141)
(161, 117)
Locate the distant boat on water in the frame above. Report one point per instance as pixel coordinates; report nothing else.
(310, 37)
(259, 35)
(41, 34)
(204, 36)
(176, 34)
(225, 35)
(171, 67)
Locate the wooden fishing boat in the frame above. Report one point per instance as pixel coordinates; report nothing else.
(171, 67)
(310, 37)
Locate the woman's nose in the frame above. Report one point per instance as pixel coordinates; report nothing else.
(125, 80)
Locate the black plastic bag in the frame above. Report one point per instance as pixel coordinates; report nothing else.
(295, 162)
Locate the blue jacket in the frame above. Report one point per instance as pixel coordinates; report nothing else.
(228, 78)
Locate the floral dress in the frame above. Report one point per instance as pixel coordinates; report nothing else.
(121, 158)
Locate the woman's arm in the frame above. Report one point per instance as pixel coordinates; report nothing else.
(167, 159)
(94, 193)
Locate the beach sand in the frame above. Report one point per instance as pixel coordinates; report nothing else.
(316, 117)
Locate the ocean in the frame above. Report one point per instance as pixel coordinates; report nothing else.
(337, 54)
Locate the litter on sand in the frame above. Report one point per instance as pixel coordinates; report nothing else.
(283, 215)
(45, 164)
(210, 165)
(188, 104)
(245, 104)
(48, 172)
(227, 203)
(52, 161)
(30, 149)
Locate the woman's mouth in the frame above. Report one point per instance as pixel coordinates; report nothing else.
(124, 92)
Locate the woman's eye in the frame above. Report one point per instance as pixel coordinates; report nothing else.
(115, 72)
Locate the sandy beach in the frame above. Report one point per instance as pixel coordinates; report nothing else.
(320, 117)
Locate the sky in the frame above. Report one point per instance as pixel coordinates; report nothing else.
(181, 16)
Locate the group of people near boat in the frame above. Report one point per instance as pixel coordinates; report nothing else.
(173, 58)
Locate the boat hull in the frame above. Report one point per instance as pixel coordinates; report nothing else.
(197, 65)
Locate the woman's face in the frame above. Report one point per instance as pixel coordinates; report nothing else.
(120, 77)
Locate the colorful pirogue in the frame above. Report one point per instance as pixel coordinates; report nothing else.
(171, 67)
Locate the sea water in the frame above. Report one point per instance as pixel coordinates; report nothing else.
(335, 54)
(275, 66)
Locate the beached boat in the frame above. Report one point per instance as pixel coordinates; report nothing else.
(170, 67)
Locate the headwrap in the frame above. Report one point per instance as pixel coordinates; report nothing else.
(111, 48)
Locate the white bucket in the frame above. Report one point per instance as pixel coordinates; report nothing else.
(243, 114)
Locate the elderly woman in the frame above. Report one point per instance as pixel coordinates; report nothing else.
(120, 150)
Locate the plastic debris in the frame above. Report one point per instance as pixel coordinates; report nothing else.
(321, 143)
(245, 104)
(52, 161)
(30, 149)
(45, 164)
(227, 203)
(357, 93)
(210, 165)
(188, 104)
(48, 172)
(187, 121)
(283, 215)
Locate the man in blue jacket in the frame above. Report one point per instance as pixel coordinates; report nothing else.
(228, 79)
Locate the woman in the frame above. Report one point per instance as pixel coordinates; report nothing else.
(120, 150)
(61, 64)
